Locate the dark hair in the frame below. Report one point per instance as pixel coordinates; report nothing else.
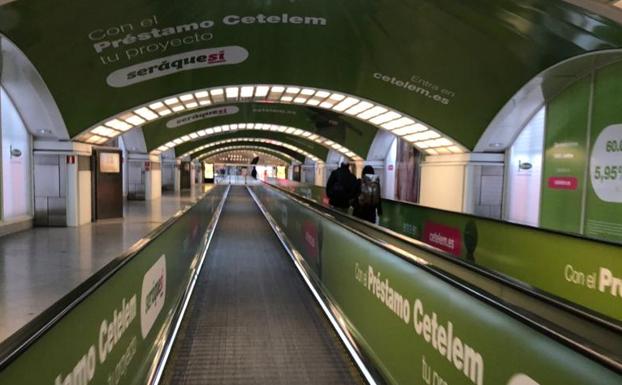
(368, 170)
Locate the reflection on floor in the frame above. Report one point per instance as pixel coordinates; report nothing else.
(39, 266)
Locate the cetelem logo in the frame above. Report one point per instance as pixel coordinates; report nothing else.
(191, 60)
(521, 379)
(152, 295)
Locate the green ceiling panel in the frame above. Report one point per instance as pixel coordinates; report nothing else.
(306, 145)
(264, 150)
(349, 132)
(266, 146)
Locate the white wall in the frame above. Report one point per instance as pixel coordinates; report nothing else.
(16, 171)
(442, 186)
(522, 200)
(390, 167)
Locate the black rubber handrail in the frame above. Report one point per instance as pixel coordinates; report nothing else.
(21, 340)
(547, 327)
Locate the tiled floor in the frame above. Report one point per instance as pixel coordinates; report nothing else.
(39, 266)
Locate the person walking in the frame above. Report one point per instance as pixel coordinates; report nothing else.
(341, 187)
(368, 203)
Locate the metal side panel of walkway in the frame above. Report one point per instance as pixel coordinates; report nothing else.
(251, 319)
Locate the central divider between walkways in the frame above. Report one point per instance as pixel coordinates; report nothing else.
(251, 318)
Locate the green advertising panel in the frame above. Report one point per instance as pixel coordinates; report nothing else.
(604, 198)
(581, 271)
(117, 333)
(417, 328)
(432, 60)
(565, 154)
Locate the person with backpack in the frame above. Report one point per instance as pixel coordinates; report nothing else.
(368, 200)
(341, 187)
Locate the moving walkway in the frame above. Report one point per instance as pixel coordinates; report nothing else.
(218, 298)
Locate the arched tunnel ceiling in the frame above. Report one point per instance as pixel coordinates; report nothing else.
(223, 156)
(449, 64)
(281, 151)
(313, 148)
(347, 131)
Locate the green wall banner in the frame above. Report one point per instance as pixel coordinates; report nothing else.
(604, 197)
(117, 333)
(115, 55)
(582, 271)
(565, 153)
(417, 328)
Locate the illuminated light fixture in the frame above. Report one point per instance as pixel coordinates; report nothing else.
(313, 102)
(282, 128)
(273, 127)
(242, 126)
(290, 130)
(306, 134)
(225, 128)
(422, 136)
(205, 102)
(185, 138)
(104, 131)
(178, 141)
(146, 113)
(409, 129)
(442, 142)
(372, 112)
(179, 108)
(191, 105)
(250, 125)
(156, 106)
(455, 149)
(233, 127)
(193, 135)
(287, 99)
(300, 100)
(201, 95)
(162, 148)
(298, 132)
(201, 133)
(209, 131)
(322, 94)
(186, 97)
(118, 125)
(246, 92)
(387, 116)
(327, 105)
(313, 136)
(337, 97)
(261, 91)
(292, 90)
(232, 92)
(344, 105)
(217, 129)
(172, 101)
(357, 109)
(217, 91)
(307, 91)
(398, 123)
(165, 112)
(97, 139)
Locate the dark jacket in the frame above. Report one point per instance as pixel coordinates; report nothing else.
(367, 213)
(341, 187)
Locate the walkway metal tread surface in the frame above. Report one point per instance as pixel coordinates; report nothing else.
(251, 319)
